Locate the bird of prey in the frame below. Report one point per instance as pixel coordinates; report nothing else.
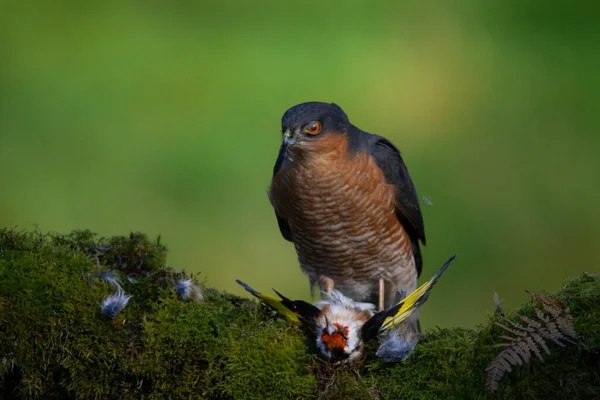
(341, 325)
(345, 199)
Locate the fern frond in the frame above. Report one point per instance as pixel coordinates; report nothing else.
(523, 350)
(517, 332)
(551, 323)
(531, 322)
(531, 346)
(539, 340)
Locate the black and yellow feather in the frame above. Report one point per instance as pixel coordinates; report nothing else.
(297, 311)
(385, 320)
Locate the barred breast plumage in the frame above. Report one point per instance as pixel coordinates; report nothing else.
(342, 217)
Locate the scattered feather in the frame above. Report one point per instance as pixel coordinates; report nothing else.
(187, 290)
(552, 323)
(499, 304)
(113, 304)
(112, 278)
(131, 279)
(427, 200)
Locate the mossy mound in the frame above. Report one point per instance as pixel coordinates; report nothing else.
(55, 342)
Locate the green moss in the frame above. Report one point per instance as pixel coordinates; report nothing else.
(55, 342)
(267, 360)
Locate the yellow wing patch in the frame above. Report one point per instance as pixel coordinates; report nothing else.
(272, 301)
(412, 302)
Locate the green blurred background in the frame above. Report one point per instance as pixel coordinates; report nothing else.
(165, 118)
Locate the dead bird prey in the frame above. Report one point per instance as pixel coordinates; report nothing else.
(341, 326)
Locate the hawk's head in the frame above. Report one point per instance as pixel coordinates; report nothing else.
(307, 124)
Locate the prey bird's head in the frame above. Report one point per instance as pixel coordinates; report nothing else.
(309, 123)
(335, 322)
(338, 327)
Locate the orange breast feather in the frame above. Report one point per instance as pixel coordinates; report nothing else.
(341, 212)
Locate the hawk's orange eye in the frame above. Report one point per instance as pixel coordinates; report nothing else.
(313, 128)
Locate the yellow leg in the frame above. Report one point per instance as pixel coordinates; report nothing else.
(326, 285)
(381, 294)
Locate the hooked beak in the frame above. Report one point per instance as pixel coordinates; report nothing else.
(289, 138)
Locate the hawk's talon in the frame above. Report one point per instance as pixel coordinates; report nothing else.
(326, 285)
